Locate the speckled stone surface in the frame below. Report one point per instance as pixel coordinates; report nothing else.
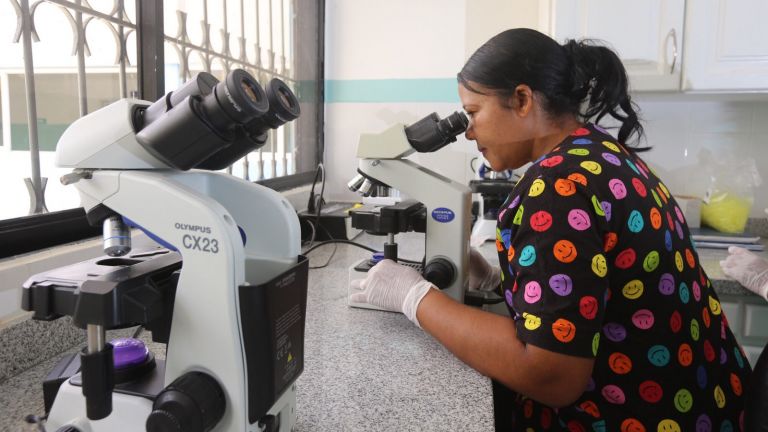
(375, 371)
(710, 260)
(28, 342)
(364, 370)
(757, 226)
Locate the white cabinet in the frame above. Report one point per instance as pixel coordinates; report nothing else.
(725, 41)
(726, 45)
(646, 34)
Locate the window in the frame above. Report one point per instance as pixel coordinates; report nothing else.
(268, 39)
(70, 76)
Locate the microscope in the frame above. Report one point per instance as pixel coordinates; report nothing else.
(436, 205)
(493, 187)
(226, 292)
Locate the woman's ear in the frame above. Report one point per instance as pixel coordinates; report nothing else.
(522, 100)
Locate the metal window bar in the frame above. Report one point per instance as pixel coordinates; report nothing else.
(181, 43)
(121, 27)
(116, 20)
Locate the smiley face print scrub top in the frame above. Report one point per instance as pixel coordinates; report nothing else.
(597, 261)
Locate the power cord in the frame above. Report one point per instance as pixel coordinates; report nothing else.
(316, 202)
(335, 247)
(360, 245)
(315, 205)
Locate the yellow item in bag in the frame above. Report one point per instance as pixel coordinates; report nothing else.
(726, 212)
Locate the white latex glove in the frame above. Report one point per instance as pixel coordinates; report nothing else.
(482, 275)
(392, 287)
(747, 268)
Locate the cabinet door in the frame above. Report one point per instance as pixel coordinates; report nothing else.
(646, 34)
(727, 45)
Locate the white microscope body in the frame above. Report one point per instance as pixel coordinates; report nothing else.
(233, 236)
(447, 202)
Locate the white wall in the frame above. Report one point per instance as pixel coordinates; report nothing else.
(683, 128)
(401, 39)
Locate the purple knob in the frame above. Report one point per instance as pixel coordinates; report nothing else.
(129, 352)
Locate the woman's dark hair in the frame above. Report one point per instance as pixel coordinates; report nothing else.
(565, 75)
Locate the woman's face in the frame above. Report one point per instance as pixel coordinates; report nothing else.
(502, 131)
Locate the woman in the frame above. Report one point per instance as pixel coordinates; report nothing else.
(614, 325)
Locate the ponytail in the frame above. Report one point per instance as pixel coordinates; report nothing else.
(599, 77)
(566, 76)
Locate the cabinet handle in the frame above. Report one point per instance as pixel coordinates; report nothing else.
(673, 35)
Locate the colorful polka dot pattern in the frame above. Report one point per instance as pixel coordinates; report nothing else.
(597, 262)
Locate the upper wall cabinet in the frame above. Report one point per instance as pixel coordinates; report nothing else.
(726, 45)
(647, 35)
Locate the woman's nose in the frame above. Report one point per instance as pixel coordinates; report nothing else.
(470, 132)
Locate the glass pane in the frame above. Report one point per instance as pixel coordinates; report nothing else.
(15, 165)
(103, 43)
(236, 24)
(195, 18)
(281, 40)
(250, 30)
(132, 63)
(197, 63)
(173, 72)
(129, 6)
(216, 19)
(106, 7)
(60, 95)
(2, 118)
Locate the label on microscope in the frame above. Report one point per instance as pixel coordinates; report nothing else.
(443, 215)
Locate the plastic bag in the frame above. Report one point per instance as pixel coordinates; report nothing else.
(730, 195)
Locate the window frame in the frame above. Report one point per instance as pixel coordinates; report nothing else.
(39, 231)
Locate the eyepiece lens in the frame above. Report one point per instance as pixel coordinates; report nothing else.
(285, 98)
(249, 90)
(454, 124)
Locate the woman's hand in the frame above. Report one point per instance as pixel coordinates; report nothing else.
(747, 268)
(392, 287)
(482, 275)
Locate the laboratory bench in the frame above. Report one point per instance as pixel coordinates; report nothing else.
(364, 370)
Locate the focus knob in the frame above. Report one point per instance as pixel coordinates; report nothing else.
(440, 272)
(193, 402)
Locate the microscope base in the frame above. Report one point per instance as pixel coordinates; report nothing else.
(129, 412)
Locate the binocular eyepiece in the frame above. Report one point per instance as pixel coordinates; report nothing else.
(426, 135)
(209, 124)
(431, 134)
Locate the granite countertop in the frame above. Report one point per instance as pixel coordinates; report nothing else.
(724, 285)
(364, 370)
